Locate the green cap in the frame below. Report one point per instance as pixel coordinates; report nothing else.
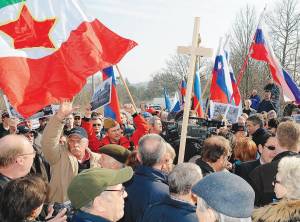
(115, 151)
(92, 182)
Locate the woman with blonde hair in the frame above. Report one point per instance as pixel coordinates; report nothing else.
(287, 189)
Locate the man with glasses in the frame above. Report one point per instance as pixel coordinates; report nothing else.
(4, 126)
(40, 165)
(267, 149)
(66, 159)
(16, 158)
(77, 119)
(104, 199)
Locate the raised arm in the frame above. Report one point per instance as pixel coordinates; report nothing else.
(52, 133)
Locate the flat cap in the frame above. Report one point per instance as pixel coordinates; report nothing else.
(115, 151)
(226, 193)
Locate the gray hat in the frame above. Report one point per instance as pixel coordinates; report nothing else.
(226, 193)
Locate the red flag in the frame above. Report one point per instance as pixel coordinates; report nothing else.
(31, 81)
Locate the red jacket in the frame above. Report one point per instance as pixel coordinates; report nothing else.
(94, 143)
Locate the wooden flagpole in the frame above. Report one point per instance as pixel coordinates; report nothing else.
(126, 88)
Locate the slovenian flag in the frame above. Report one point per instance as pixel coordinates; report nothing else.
(198, 95)
(112, 110)
(262, 51)
(47, 50)
(236, 95)
(221, 86)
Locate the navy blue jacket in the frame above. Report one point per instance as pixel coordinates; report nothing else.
(170, 210)
(147, 186)
(255, 100)
(81, 216)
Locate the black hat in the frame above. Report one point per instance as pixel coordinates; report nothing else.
(22, 129)
(78, 131)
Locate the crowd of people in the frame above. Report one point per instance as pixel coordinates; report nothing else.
(83, 167)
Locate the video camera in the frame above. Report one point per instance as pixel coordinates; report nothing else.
(198, 130)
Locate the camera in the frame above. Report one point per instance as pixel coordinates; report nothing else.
(66, 205)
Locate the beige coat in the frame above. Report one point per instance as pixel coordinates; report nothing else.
(64, 166)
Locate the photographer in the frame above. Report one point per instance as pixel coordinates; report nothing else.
(22, 200)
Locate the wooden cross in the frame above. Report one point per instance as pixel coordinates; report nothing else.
(193, 51)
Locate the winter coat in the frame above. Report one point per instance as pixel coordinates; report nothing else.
(81, 216)
(282, 211)
(244, 169)
(205, 167)
(255, 100)
(142, 128)
(64, 166)
(147, 187)
(170, 210)
(261, 179)
(266, 105)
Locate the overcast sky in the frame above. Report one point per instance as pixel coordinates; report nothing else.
(159, 26)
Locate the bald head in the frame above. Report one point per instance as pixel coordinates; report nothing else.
(11, 146)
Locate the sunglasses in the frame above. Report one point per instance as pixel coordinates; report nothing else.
(271, 148)
(97, 124)
(77, 118)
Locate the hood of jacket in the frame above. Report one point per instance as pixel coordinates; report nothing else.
(282, 211)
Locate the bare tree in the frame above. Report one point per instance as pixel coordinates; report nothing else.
(242, 34)
(284, 23)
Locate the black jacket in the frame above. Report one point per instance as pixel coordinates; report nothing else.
(261, 179)
(3, 180)
(244, 169)
(266, 106)
(205, 167)
(170, 210)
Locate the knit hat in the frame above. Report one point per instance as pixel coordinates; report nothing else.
(226, 193)
(115, 151)
(92, 182)
(109, 123)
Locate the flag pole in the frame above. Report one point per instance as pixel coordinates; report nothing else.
(242, 71)
(126, 87)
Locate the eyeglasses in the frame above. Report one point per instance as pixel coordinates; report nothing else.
(271, 148)
(275, 181)
(122, 190)
(77, 118)
(27, 154)
(97, 124)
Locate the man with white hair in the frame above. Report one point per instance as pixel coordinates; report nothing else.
(224, 197)
(261, 178)
(66, 160)
(180, 204)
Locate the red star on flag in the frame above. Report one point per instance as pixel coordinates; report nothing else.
(28, 32)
